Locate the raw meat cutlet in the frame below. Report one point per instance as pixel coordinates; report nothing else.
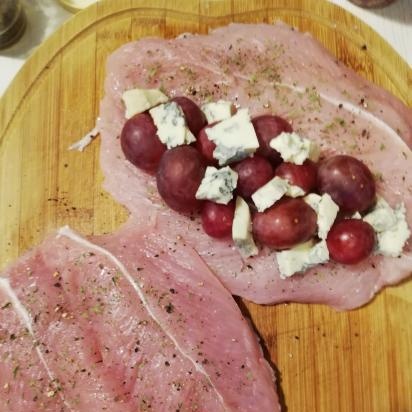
(268, 69)
(25, 380)
(94, 330)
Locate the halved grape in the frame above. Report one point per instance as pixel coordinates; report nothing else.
(267, 127)
(348, 181)
(304, 176)
(286, 224)
(253, 173)
(217, 219)
(205, 146)
(350, 241)
(178, 177)
(140, 143)
(195, 118)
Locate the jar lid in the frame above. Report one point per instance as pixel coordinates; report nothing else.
(76, 5)
(12, 33)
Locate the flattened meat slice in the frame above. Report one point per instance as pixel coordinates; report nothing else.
(26, 383)
(268, 69)
(194, 307)
(112, 342)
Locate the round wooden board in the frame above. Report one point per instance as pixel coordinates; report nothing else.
(326, 361)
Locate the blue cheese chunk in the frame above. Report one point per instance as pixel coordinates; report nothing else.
(326, 210)
(390, 226)
(171, 125)
(242, 229)
(139, 100)
(294, 191)
(272, 191)
(382, 217)
(301, 258)
(217, 111)
(218, 185)
(313, 200)
(235, 138)
(295, 149)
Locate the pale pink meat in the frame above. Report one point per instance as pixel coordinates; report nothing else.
(269, 69)
(24, 380)
(204, 320)
(88, 329)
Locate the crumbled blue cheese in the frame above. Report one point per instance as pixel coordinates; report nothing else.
(326, 210)
(382, 217)
(242, 229)
(295, 149)
(301, 258)
(139, 100)
(217, 111)
(313, 200)
(294, 191)
(270, 193)
(391, 227)
(218, 185)
(171, 125)
(235, 138)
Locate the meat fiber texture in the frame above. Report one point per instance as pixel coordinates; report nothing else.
(268, 69)
(121, 327)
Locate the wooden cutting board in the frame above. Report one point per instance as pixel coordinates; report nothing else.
(326, 361)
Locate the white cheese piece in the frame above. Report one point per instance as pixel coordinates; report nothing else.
(270, 193)
(242, 229)
(313, 200)
(326, 210)
(356, 215)
(218, 185)
(235, 138)
(301, 258)
(293, 260)
(295, 149)
(295, 191)
(217, 111)
(171, 125)
(382, 216)
(391, 227)
(139, 100)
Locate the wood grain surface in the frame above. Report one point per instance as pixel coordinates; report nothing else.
(326, 361)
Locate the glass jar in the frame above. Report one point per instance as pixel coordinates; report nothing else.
(12, 22)
(372, 3)
(76, 5)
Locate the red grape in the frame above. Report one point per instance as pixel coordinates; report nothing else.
(304, 176)
(350, 241)
(217, 219)
(286, 224)
(348, 181)
(195, 118)
(253, 173)
(178, 177)
(267, 127)
(140, 143)
(206, 146)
